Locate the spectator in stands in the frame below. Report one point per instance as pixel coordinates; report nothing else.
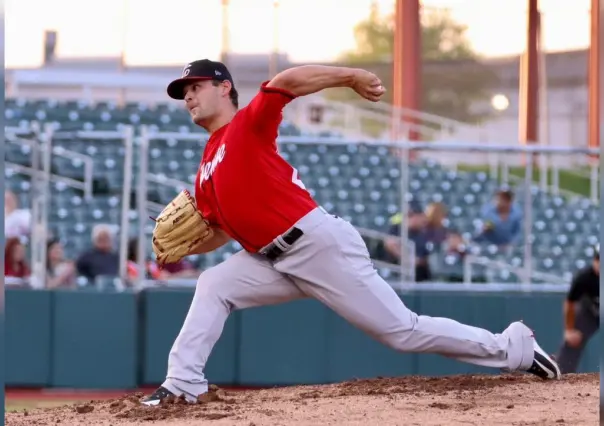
(417, 222)
(179, 270)
(60, 272)
(17, 222)
(454, 247)
(152, 271)
(101, 259)
(502, 220)
(182, 269)
(455, 244)
(16, 267)
(435, 230)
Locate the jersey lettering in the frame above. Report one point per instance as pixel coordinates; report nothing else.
(208, 169)
(296, 180)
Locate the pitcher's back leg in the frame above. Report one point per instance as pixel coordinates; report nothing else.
(242, 281)
(342, 276)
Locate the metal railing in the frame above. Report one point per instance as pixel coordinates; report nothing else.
(88, 162)
(500, 170)
(85, 186)
(124, 136)
(406, 267)
(441, 127)
(471, 260)
(529, 151)
(162, 179)
(41, 164)
(31, 172)
(128, 137)
(144, 178)
(19, 136)
(354, 120)
(40, 171)
(526, 272)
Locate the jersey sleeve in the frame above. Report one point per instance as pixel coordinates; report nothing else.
(265, 112)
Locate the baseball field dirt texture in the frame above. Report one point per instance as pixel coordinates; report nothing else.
(455, 400)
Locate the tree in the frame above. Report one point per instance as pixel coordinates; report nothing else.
(452, 77)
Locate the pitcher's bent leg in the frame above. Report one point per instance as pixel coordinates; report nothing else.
(240, 282)
(343, 278)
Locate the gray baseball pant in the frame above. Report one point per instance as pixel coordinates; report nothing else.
(330, 263)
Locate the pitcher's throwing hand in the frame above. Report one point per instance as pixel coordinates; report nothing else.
(368, 85)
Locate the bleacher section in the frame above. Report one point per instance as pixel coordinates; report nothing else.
(104, 116)
(359, 182)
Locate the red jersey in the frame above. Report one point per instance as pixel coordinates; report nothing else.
(243, 185)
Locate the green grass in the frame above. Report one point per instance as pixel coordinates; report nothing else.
(568, 180)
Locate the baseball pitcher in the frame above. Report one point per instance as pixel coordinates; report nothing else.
(292, 248)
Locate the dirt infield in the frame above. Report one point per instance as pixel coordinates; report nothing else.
(454, 400)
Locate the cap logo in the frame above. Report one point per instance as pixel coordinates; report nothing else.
(186, 70)
(217, 72)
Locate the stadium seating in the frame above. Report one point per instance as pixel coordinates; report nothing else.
(359, 182)
(104, 116)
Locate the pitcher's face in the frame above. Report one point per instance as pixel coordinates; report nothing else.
(203, 100)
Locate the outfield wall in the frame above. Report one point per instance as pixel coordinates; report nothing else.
(91, 340)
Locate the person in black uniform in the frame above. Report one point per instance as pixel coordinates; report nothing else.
(581, 314)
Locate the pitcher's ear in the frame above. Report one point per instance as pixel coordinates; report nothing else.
(226, 87)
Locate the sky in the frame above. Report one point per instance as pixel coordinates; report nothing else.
(158, 32)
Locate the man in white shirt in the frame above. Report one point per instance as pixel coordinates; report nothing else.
(17, 222)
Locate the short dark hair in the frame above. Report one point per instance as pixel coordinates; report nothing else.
(506, 194)
(51, 242)
(233, 95)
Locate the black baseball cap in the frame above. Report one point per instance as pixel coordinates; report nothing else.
(203, 69)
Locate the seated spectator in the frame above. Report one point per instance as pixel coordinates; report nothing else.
(181, 269)
(417, 234)
(152, 271)
(101, 259)
(502, 220)
(455, 244)
(454, 250)
(436, 231)
(60, 272)
(17, 222)
(16, 267)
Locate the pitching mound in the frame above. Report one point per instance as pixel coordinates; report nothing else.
(455, 400)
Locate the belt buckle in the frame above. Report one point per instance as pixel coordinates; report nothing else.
(272, 252)
(274, 249)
